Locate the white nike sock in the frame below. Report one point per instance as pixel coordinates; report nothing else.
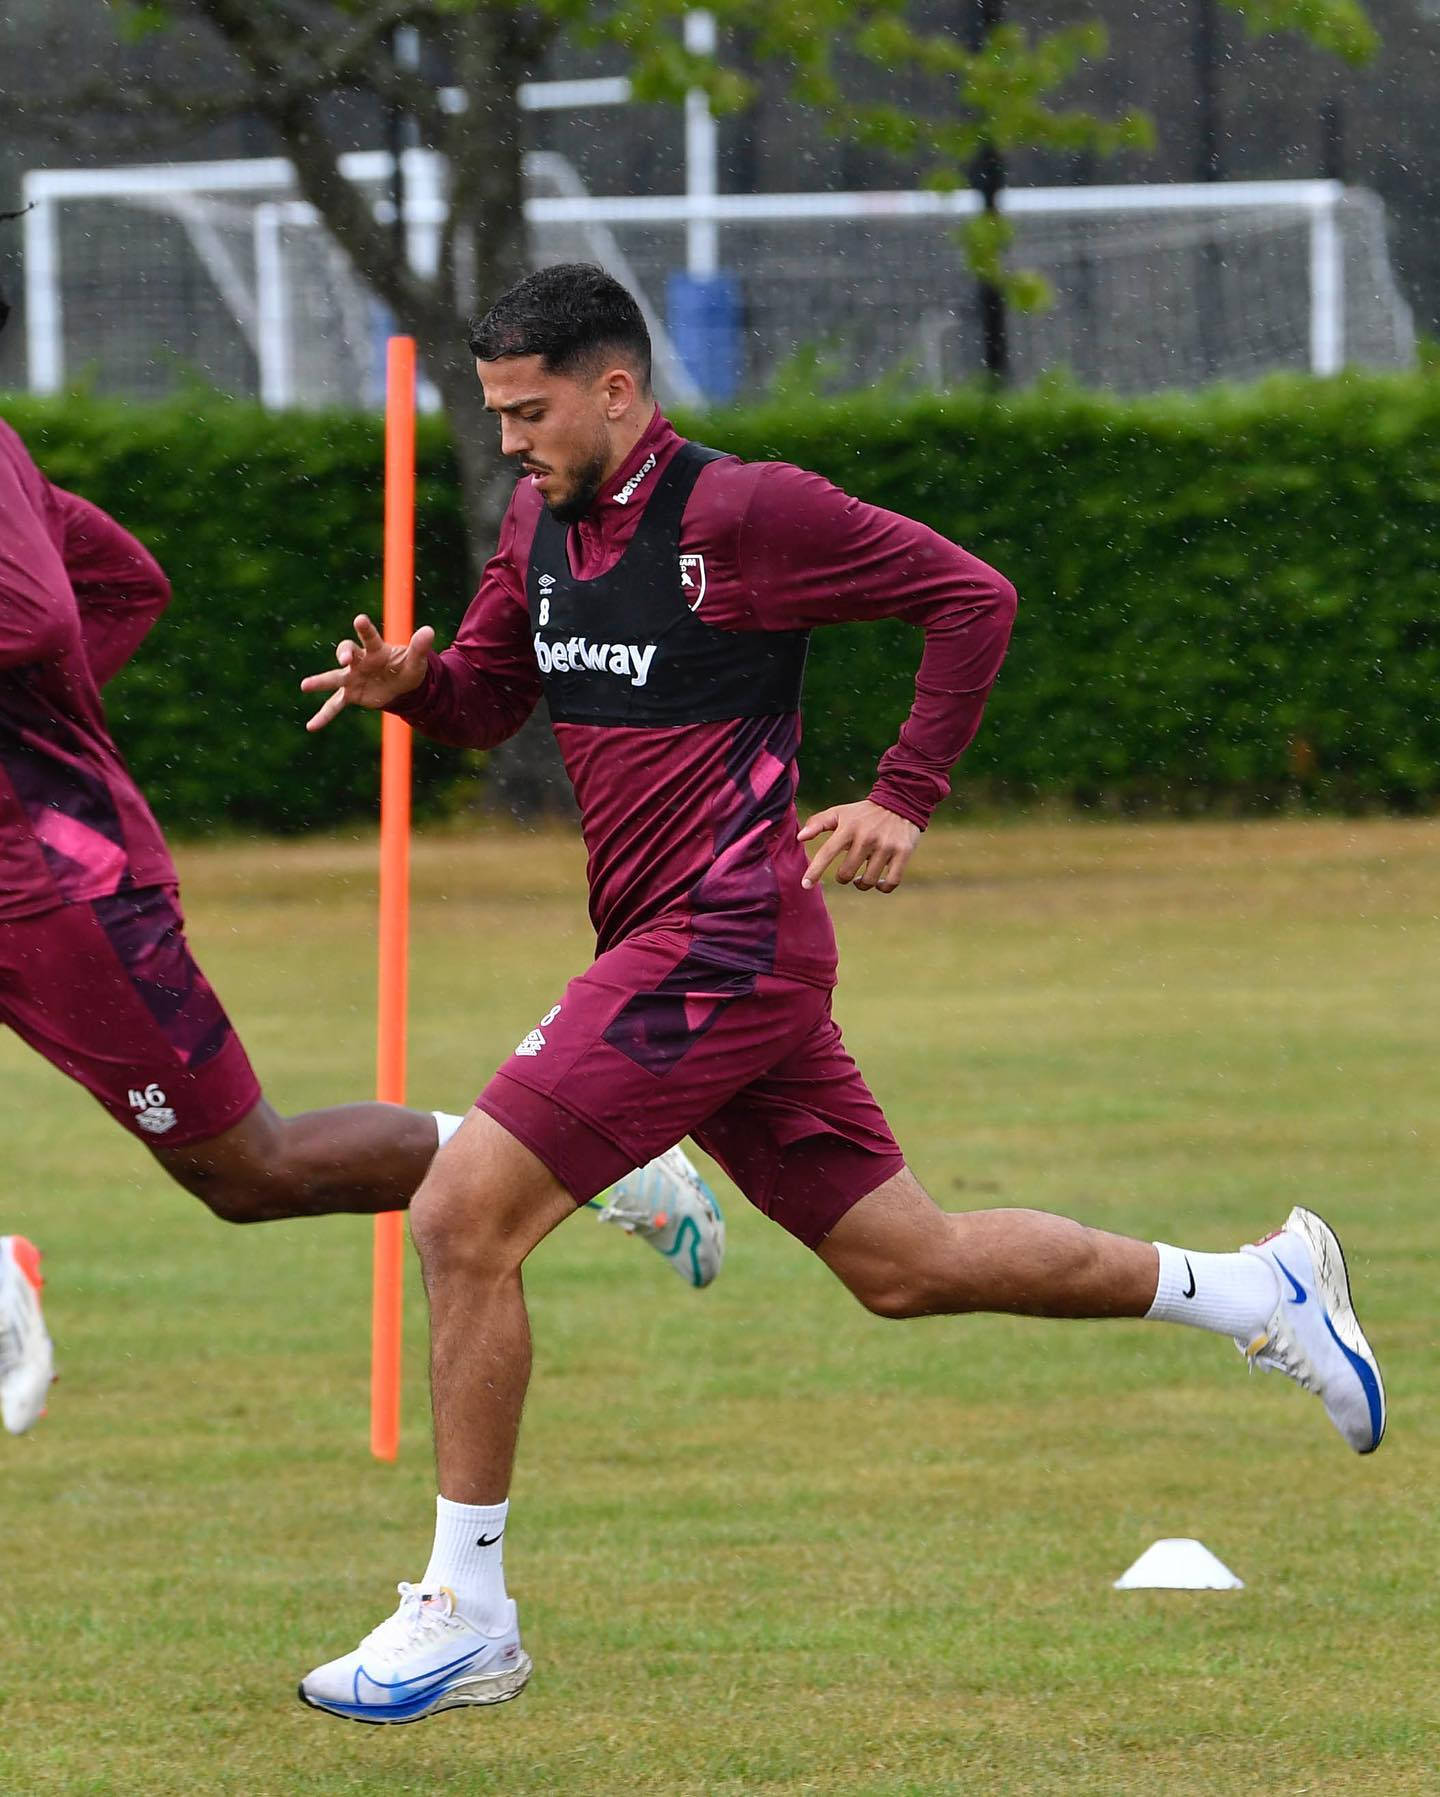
(468, 1557)
(1231, 1294)
(445, 1126)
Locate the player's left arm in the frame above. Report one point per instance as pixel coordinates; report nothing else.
(119, 587)
(808, 554)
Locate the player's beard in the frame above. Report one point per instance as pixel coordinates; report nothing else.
(586, 483)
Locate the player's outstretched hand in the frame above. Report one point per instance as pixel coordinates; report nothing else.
(370, 673)
(871, 844)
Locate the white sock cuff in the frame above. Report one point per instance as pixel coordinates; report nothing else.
(1231, 1294)
(445, 1125)
(1172, 1281)
(469, 1558)
(485, 1519)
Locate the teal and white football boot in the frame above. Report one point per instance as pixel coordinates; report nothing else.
(670, 1205)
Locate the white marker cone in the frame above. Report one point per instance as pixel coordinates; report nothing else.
(1178, 1564)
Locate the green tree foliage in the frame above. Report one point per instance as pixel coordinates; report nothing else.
(1341, 27)
(292, 59)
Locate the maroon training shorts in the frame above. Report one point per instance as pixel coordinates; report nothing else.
(109, 993)
(650, 1045)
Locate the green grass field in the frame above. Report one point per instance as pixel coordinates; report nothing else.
(763, 1543)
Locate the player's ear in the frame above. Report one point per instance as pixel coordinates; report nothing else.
(619, 390)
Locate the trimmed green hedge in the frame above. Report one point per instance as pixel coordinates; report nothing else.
(1228, 599)
(270, 529)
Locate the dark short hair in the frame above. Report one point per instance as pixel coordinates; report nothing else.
(572, 315)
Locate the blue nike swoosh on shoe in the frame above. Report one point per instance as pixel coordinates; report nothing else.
(425, 1684)
(1295, 1285)
(1365, 1373)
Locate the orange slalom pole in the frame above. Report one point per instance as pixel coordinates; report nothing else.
(388, 1279)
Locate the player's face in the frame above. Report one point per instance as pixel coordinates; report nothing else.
(559, 428)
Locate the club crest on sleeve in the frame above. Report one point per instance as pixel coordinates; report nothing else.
(692, 579)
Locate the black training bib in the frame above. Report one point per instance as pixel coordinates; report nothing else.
(631, 647)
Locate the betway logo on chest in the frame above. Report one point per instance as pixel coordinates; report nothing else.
(578, 655)
(628, 491)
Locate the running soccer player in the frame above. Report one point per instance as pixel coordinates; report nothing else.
(95, 971)
(659, 595)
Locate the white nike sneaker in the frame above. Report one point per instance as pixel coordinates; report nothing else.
(670, 1205)
(423, 1659)
(27, 1360)
(1314, 1335)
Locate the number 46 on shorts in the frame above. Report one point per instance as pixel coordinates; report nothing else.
(152, 1114)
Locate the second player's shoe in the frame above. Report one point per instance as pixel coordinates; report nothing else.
(425, 1658)
(670, 1205)
(27, 1360)
(1314, 1336)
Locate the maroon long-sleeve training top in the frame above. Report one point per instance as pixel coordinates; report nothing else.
(77, 596)
(676, 833)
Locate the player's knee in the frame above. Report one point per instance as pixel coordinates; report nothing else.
(244, 1175)
(231, 1199)
(899, 1292)
(454, 1232)
(891, 1298)
(236, 1188)
(241, 1204)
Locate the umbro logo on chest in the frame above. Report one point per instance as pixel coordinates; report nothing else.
(546, 584)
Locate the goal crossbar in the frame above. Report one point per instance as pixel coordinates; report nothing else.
(1318, 203)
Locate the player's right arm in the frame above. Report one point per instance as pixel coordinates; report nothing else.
(119, 586)
(37, 608)
(474, 695)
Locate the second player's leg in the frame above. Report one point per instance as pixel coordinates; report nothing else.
(902, 1256)
(352, 1157)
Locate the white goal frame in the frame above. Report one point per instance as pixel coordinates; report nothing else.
(701, 211)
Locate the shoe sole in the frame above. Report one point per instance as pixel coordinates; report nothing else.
(464, 1694)
(1333, 1276)
(25, 1257)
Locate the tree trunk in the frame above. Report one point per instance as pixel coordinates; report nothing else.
(492, 51)
(526, 775)
(489, 49)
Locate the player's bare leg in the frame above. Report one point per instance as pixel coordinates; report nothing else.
(1284, 1300)
(455, 1639)
(372, 1157)
(902, 1256)
(486, 1203)
(352, 1157)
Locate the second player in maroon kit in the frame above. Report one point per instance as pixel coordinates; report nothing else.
(96, 973)
(659, 595)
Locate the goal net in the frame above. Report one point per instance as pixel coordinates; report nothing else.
(139, 280)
